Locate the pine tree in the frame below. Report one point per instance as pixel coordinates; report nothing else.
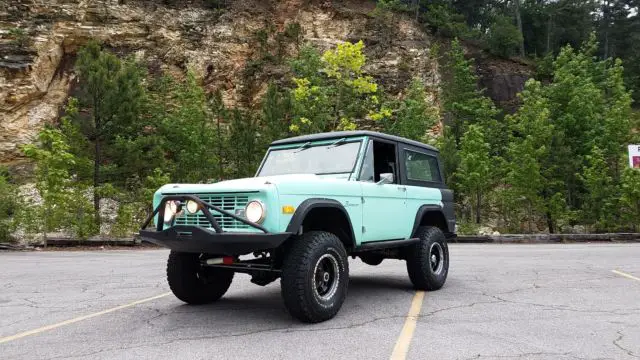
(276, 113)
(416, 115)
(529, 167)
(463, 102)
(474, 172)
(112, 89)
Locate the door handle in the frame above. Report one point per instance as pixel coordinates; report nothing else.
(402, 188)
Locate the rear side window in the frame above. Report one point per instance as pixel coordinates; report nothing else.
(421, 167)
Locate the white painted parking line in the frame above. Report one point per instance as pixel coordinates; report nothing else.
(628, 276)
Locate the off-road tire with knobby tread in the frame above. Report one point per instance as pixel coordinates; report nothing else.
(298, 287)
(418, 258)
(193, 283)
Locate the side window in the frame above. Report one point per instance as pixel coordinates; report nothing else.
(421, 167)
(366, 173)
(380, 158)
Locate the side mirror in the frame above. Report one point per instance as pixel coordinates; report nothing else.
(385, 178)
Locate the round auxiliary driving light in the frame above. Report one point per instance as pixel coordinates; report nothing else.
(170, 210)
(192, 206)
(254, 211)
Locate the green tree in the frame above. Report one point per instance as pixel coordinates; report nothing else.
(276, 109)
(590, 107)
(244, 150)
(463, 102)
(601, 198)
(416, 114)
(8, 205)
(62, 201)
(334, 91)
(112, 89)
(630, 198)
(189, 130)
(474, 171)
(530, 171)
(504, 37)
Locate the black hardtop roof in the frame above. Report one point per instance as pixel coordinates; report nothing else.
(348, 134)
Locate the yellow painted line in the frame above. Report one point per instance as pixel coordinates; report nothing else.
(80, 318)
(628, 276)
(404, 340)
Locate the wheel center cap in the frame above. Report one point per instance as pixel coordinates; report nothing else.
(325, 277)
(434, 259)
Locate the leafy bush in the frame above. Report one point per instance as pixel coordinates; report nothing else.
(8, 203)
(504, 37)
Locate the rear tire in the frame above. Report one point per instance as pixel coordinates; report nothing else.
(315, 277)
(428, 260)
(193, 283)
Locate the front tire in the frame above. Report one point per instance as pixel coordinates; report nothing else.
(193, 283)
(428, 260)
(315, 277)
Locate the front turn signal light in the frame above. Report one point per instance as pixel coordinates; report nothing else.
(288, 209)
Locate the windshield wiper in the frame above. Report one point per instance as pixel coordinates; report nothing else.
(338, 143)
(304, 146)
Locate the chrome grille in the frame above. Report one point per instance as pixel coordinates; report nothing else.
(225, 202)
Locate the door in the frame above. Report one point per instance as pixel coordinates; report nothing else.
(383, 208)
(421, 173)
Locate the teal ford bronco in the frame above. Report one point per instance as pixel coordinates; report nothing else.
(315, 200)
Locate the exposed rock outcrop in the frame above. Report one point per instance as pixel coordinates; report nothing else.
(36, 69)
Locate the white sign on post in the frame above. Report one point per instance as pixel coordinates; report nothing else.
(634, 156)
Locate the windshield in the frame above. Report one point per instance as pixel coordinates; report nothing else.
(337, 158)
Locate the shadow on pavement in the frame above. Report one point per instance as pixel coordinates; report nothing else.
(264, 306)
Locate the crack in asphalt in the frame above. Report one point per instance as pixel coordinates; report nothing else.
(552, 307)
(529, 354)
(617, 341)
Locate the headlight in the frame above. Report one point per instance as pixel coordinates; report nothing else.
(254, 211)
(170, 210)
(192, 206)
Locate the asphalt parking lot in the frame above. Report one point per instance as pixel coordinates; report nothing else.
(573, 301)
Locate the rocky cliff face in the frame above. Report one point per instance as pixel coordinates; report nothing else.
(36, 62)
(35, 76)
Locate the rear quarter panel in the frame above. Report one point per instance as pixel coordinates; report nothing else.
(418, 196)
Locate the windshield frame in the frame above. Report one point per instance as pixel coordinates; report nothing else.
(356, 164)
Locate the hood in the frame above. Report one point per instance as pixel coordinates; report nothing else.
(262, 183)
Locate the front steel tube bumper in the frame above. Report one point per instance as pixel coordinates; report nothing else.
(214, 240)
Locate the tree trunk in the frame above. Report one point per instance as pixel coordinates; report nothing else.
(549, 23)
(605, 20)
(478, 202)
(519, 23)
(96, 183)
(550, 223)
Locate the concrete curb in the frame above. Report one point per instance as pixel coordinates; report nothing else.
(547, 238)
(463, 239)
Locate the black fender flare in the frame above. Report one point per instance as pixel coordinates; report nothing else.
(427, 208)
(306, 206)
